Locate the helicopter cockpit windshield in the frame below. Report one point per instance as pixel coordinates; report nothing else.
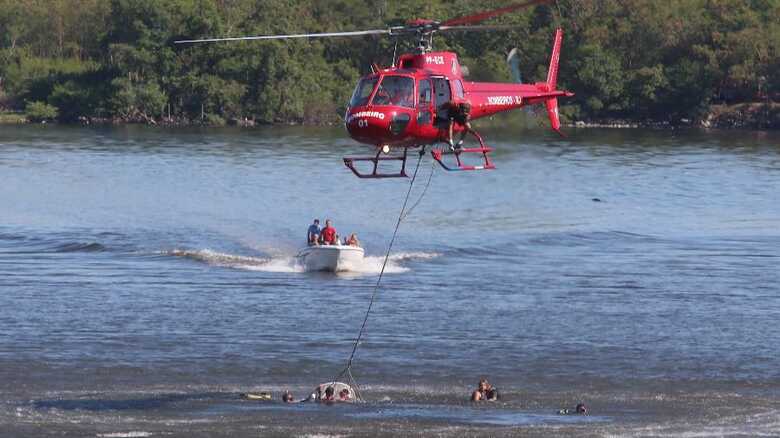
(363, 91)
(395, 90)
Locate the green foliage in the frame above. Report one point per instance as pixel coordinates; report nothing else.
(663, 60)
(136, 101)
(602, 77)
(214, 120)
(41, 111)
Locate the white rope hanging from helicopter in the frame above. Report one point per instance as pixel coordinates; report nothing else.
(347, 371)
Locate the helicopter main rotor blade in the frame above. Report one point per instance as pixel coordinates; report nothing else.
(482, 16)
(300, 35)
(480, 27)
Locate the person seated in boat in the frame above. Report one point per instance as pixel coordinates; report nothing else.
(287, 397)
(352, 240)
(580, 409)
(344, 395)
(329, 235)
(484, 392)
(313, 235)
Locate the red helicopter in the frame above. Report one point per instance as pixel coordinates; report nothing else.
(406, 105)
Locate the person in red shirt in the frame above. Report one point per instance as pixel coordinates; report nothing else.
(329, 236)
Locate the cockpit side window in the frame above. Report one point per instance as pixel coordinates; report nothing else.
(395, 90)
(424, 92)
(458, 85)
(363, 91)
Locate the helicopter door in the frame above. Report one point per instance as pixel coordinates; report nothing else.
(442, 88)
(424, 101)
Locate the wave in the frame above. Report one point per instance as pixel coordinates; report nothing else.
(250, 263)
(287, 263)
(80, 247)
(419, 255)
(29, 246)
(373, 264)
(9, 236)
(761, 424)
(131, 434)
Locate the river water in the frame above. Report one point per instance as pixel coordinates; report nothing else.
(147, 278)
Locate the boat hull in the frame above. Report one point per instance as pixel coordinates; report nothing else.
(331, 258)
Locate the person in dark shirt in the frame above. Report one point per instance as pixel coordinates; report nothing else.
(329, 394)
(313, 235)
(458, 112)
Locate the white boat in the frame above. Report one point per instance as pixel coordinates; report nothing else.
(334, 258)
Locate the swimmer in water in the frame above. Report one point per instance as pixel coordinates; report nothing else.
(484, 392)
(580, 409)
(329, 394)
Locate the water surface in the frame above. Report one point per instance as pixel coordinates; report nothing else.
(147, 278)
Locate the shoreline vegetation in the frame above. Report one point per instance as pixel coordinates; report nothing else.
(753, 116)
(634, 63)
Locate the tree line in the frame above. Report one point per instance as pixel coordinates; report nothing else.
(659, 60)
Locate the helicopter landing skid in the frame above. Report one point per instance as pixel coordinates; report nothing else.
(350, 163)
(438, 155)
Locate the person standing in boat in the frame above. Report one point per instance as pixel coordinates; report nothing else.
(313, 236)
(329, 235)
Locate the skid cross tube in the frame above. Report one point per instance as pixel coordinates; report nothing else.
(350, 163)
(438, 155)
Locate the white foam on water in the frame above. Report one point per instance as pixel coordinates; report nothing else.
(286, 263)
(132, 434)
(373, 264)
(249, 263)
(764, 424)
(321, 435)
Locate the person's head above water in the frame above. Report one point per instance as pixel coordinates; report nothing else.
(329, 392)
(483, 384)
(316, 221)
(328, 222)
(581, 409)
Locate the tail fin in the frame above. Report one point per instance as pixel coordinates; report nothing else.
(552, 113)
(552, 72)
(552, 82)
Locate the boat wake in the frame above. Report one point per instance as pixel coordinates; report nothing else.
(289, 263)
(249, 263)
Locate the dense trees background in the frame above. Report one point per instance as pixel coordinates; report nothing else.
(661, 60)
